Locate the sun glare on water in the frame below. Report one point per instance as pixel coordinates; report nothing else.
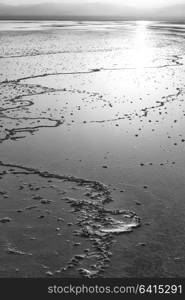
(142, 52)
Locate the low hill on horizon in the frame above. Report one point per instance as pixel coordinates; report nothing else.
(90, 10)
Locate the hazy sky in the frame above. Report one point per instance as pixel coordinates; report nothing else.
(137, 3)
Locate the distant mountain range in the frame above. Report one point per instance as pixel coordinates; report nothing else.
(89, 11)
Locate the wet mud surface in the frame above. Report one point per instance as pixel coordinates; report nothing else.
(40, 202)
(92, 142)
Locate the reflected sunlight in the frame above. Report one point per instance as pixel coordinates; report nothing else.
(142, 49)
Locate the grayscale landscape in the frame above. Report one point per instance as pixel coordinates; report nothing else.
(92, 143)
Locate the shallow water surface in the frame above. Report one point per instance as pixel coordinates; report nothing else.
(92, 147)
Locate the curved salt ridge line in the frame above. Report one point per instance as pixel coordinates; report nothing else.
(95, 184)
(29, 102)
(144, 110)
(176, 61)
(94, 223)
(81, 72)
(16, 99)
(13, 131)
(46, 90)
(45, 75)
